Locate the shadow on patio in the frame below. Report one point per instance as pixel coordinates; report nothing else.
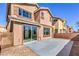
(75, 47)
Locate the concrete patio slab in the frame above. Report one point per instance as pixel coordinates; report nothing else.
(49, 47)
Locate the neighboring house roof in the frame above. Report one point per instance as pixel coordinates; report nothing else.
(44, 8)
(56, 18)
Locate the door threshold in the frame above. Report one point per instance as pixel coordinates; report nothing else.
(29, 42)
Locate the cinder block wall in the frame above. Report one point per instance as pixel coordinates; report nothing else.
(66, 35)
(6, 40)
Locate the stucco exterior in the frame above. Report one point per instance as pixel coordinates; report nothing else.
(18, 33)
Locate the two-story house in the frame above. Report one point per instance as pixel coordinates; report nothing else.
(59, 25)
(28, 22)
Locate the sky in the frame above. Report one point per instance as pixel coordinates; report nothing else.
(3, 10)
(67, 11)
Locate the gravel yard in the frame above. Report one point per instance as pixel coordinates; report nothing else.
(17, 51)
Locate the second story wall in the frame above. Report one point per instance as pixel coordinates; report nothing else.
(45, 18)
(26, 7)
(37, 17)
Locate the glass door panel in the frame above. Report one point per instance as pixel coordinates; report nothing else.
(34, 33)
(27, 33)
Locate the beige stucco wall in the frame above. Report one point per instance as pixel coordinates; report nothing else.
(46, 20)
(60, 24)
(18, 33)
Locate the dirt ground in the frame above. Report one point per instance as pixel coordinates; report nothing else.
(17, 51)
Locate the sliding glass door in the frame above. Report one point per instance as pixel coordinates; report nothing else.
(30, 33)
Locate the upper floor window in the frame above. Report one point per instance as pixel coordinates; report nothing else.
(24, 13)
(42, 15)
